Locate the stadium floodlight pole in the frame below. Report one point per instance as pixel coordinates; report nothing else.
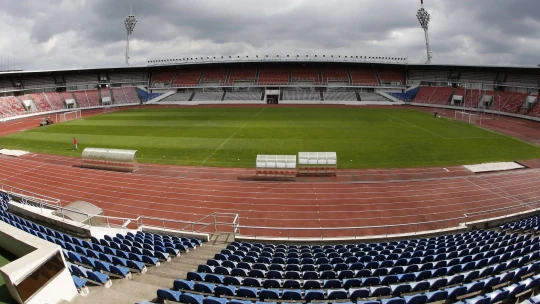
(423, 17)
(129, 22)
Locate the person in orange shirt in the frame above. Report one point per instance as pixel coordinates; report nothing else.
(75, 144)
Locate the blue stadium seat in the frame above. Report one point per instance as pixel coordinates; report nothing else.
(497, 295)
(416, 299)
(190, 298)
(223, 290)
(438, 295)
(183, 285)
(204, 287)
(337, 294)
(214, 300)
(269, 294)
(292, 295)
(246, 292)
(314, 295)
(170, 295)
(393, 301)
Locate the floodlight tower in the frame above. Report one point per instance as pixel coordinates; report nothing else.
(423, 17)
(129, 22)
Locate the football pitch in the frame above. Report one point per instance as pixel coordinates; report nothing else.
(232, 137)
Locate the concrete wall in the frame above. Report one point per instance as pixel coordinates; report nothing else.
(33, 252)
(45, 217)
(205, 237)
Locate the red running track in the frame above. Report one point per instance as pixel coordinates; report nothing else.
(277, 204)
(355, 198)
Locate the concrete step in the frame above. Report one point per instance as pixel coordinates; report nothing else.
(144, 286)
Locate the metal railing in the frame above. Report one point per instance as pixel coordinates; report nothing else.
(30, 197)
(346, 232)
(278, 58)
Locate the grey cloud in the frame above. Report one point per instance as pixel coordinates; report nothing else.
(80, 33)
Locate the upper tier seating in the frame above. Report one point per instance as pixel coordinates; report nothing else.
(38, 82)
(301, 95)
(11, 106)
(39, 100)
(367, 77)
(215, 76)
(482, 77)
(273, 76)
(305, 75)
(6, 85)
(243, 96)
(433, 75)
(187, 77)
(128, 77)
(340, 96)
(164, 78)
(81, 79)
(55, 100)
(523, 79)
(335, 75)
(243, 75)
(388, 76)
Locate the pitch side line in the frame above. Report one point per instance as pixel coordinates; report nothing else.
(227, 140)
(417, 126)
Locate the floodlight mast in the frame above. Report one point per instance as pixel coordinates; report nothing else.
(423, 18)
(130, 23)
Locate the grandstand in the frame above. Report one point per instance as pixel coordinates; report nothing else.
(459, 263)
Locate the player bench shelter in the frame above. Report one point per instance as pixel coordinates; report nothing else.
(276, 167)
(317, 163)
(109, 159)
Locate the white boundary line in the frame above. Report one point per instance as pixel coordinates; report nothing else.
(227, 140)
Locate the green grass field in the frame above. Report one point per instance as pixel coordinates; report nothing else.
(5, 258)
(232, 137)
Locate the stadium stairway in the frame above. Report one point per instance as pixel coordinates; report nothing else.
(142, 287)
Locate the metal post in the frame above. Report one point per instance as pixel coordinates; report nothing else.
(289, 234)
(191, 227)
(423, 18)
(129, 23)
(215, 225)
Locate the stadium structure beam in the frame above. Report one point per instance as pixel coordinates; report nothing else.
(129, 23)
(423, 18)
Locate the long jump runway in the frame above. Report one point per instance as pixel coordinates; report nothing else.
(279, 205)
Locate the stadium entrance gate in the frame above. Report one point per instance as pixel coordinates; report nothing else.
(272, 96)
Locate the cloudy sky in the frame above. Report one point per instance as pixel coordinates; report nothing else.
(54, 34)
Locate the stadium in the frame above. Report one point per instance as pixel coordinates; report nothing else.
(271, 178)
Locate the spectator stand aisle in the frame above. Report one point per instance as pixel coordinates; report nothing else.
(276, 167)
